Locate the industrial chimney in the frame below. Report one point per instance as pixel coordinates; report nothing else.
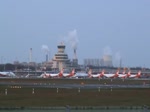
(75, 60)
(30, 55)
(75, 55)
(47, 57)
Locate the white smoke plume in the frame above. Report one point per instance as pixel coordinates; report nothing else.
(118, 56)
(72, 39)
(45, 48)
(118, 59)
(107, 51)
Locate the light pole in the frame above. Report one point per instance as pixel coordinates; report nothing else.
(28, 67)
(35, 66)
(4, 66)
(2, 62)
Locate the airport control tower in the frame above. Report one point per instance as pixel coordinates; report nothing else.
(60, 59)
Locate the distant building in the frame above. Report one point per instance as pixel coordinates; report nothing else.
(47, 65)
(16, 62)
(33, 64)
(93, 62)
(24, 63)
(102, 62)
(107, 60)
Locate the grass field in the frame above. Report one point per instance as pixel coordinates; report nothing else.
(86, 97)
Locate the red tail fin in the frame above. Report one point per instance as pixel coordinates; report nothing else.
(61, 73)
(73, 72)
(101, 74)
(89, 73)
(116, 75)
(124, 72)
(129, 73)
(139, 74)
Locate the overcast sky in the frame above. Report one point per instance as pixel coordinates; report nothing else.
(117, 27)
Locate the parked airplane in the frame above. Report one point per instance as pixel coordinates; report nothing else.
(80, 75)
(69, 74)
(110, 75)
(123, 75)
(51, 75)
(44, 75)
(7, 74)
(99, 75)
(134, 75)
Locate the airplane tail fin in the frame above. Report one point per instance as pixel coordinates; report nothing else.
(61, 73)
(129, 73)
(43, 75)
(124, 71)
(28, 75)
(139, 74)
(90, 73)
(117, 72)
(73, 72)
(102, 73)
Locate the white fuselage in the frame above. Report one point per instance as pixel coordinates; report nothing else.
(7, 74)
(95, 75)
(122, 75)
(54, 75)
(66, 74)
(47, 75)
(133, 76)
(109, 75)
(80, 74)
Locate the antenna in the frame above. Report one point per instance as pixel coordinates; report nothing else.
(120, 63)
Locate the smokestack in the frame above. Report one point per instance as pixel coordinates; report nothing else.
(47, 58)
(30, 57)
(75, 60)
(46, 52)
(75, 55)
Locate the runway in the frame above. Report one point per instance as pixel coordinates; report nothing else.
(70, 86)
